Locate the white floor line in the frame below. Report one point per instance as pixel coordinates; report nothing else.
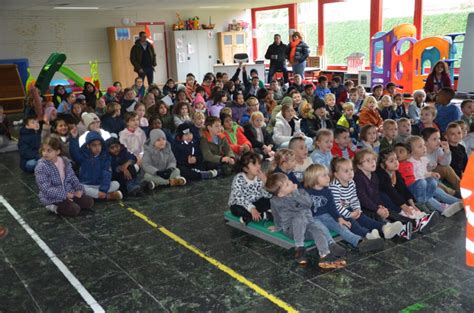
(96, 307)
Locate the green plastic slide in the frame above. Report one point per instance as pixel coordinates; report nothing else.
(66, 71)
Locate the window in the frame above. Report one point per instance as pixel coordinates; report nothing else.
(269, 23)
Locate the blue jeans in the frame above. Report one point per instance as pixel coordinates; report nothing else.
(299, 69)
(30, 165)
(334, 225)
(274, 69)
(364, 225)
(423, 189)
(444, 197)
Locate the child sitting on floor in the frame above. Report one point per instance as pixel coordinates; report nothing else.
(234, 135)
(238, 106)
(133, 137)
(248, 198)
(446, 110)
(316, 183)
(291, 209)
(427, 117)
(369, 138)
(323, 143)
(143, 122)
(90, 122)
(257, 134)
(453, 135)
(390, 132)
(29, 144)
(344, 191)
(214, 146)
(387, 108)
(414, 108)
(112, 121)
(303, 161)
(95, 170)
(159, 162)
(467, 109)
(404, 130)
(59, 189)
(332, 108)
(284, 162)
(199, 104)
(369, 114)
(125, 169)
(182, 113)
(342, 146)
(321, 117)
(349, 120)
(189, 157)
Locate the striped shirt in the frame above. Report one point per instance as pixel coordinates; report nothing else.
(345, 198)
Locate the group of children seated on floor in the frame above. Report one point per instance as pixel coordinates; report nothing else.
(340, 160)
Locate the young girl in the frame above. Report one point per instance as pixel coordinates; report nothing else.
(112, 121)
(159, 162)
(303, 161)
(367, 186)
(91, 94)
(133, 137)
(148, 101)
(323, 143)
(234, 135)
(199, 104)
(129, 100)
(258, 136)
(155, 91)
(110, 95)
(252, 106)
(76, 113)
(332, 108)
(190, 87)
(284, 162)
(287, 126)
(400, 110)
(169, 89)
(198, 124)
(214, 146)
(369, 138)
(316, 183)
(65, 106)
(387, 108)
(119, 92)
(181, 96)
(59, 188)
(419, 97)
(347, 203)
(59, 94)
(139, 88)
(58, 129)
(142, 120)
(446, 204)
(100, 107)
(248, 198)
(308, 120)
(219, 102)
(165, 117)
(181, 114)
(377, 92)
(369, 114)
(189, 157)
(238, 107)
(397, 196)
(90, 123)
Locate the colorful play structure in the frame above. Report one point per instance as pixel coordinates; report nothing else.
(400, 58)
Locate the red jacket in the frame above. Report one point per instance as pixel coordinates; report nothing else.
(407, 171)
(337, 152)
(430, 82)
(238, 140)
(372, 117)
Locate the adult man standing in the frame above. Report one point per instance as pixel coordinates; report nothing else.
(276, 53)
(143, 58)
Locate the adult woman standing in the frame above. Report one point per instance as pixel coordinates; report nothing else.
(437, 79)
(297, 53)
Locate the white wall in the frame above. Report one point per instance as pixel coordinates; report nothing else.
(81, 35)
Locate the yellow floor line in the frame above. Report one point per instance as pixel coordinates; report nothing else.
(214, 262)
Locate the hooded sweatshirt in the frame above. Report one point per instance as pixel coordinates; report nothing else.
(154, 159)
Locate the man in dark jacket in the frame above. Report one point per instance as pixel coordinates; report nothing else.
(143, 58)
(276, 53)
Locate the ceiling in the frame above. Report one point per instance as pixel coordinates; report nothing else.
(140, 4)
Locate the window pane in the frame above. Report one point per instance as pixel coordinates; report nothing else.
(269, 23)
(308, 24)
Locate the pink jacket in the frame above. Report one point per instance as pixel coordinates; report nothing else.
(134, 141)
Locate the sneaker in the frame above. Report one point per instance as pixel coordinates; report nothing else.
(330, 261)
(374, 234)
(241, 219)
(208, 174)
(337, 250)
(114, 195)
(150, 185)
(366, 245)
(178, 181)
(406, 232)
(53, 208)
(300, 256)
(428, 221)
(3, 232)
(452, 209)
(390, 230)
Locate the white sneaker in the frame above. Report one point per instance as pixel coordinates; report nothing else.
(453, 209)
(390, 230)
(214, 173)
(374, 234)
(52, 208)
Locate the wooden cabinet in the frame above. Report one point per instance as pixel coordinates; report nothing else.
(231, 43)
(121, 41)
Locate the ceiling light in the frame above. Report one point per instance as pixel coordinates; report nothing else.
(76, 8)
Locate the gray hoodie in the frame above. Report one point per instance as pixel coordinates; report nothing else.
(157, 160)
(285, 209)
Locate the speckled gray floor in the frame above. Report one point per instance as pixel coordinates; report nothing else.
(128, 266)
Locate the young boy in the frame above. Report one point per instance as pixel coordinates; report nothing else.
(308, 93)
(159, 162)
(458, 153)
(298, 145)
(322, 89)
(390, 89)
(447, 111)
(404, 130)
(95, 169)
(125, 169)
(427, 117)
(467, 109)
(291, 209)
(342, 146)
(354, 98)
(390, 132)
(29, 144)
(349, 120)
